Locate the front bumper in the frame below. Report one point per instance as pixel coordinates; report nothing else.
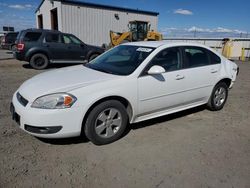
(47, 123)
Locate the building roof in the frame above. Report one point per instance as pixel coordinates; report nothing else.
(109, 7)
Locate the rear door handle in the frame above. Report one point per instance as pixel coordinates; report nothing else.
(214, 70)
(179, 77)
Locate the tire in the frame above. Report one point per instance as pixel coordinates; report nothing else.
(93, 56)
(100, 128)
(39, 61)
(218, 97)
(13, 48)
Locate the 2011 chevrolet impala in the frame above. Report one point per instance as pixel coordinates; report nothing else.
(129, 83)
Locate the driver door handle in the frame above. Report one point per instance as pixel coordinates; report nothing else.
(214, 70)
(179, 77)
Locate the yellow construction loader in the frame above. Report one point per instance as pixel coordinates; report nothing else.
(138, 31)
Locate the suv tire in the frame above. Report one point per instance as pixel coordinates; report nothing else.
(93, 56)
(39, 61)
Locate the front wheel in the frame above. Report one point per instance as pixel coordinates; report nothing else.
(106, 122)
(39, 61)
(218, 97)
(93, 56)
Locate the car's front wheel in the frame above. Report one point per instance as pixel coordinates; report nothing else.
(93, 56)
(106, 122)
(39, 61)
(218, 97)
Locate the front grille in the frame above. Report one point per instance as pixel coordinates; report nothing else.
(21, 99)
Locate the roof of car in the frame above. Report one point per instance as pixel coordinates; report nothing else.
(41, 30)
(156, 44)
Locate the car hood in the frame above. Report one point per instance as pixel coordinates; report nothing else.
(62, 80)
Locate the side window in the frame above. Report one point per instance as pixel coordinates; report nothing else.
(32, 36)
(195, 57)
(66, 39)
(75, 40)
(169, 59)
(52, 37)
(214, 59)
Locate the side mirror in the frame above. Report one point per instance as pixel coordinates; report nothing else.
(156, 69)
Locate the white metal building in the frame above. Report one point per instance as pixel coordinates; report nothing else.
(88, 21)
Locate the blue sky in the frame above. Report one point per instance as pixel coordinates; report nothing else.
(200, 18)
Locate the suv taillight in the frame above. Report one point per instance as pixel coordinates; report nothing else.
(20, 46)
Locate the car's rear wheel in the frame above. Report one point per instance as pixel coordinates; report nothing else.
(39, 61)
(13, 48)
(106, 122)
(218, 97)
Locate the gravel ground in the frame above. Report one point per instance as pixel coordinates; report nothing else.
(195, 148)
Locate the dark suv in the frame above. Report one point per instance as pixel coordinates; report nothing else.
(8, 41)
(41, 47)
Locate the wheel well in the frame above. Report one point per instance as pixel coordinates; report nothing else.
(92, 53)
(117, 98)
(37, 52)
(226, 81)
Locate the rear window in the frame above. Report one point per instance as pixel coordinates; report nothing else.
(32, 36)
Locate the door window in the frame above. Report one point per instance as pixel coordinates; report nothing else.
(52, 37)
(214, 58)
(169, 59)
(196, 57)
(68, 39)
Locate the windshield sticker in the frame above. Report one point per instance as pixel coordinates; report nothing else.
(144, 49)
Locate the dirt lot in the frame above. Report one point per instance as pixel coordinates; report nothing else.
(195, 148)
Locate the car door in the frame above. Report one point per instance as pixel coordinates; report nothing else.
(53, 43)
(76, 49)
(162, 91)
(201, 71)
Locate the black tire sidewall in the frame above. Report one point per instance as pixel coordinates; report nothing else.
(213, 106)
(93, 56)
(39, 55)
(89, 127)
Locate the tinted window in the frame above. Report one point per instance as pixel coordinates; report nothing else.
(75, 40)
(169, 59)
(69, 39)
(52, 37)
(32, 36)
(121, 60)
(214, 59)
(195, 57)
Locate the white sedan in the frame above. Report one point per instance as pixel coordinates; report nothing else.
(129, 83)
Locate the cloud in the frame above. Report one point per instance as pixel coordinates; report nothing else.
(203, 32)
(20, 7)
(183, 11)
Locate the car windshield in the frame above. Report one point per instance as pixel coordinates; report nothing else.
(121, 60)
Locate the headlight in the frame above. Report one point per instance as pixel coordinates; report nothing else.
(54, 101)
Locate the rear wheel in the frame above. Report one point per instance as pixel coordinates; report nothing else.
(39, 61)
(13, 48)
(218, 97)
(106, 122)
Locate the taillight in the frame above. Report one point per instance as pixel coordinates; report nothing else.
(20, 46)
(3, 40)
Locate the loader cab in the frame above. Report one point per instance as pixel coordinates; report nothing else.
(139, 30)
